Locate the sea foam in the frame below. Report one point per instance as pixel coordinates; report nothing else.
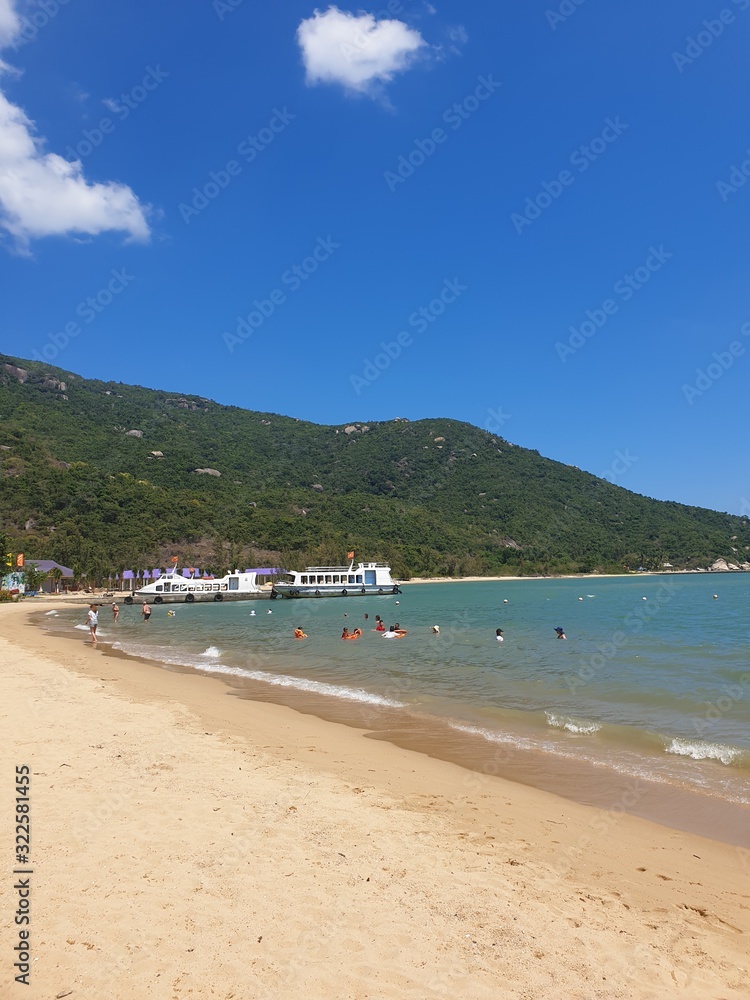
(199, 662)
(578, 726)
(700, 750)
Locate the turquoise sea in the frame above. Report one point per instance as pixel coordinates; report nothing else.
(652, 684)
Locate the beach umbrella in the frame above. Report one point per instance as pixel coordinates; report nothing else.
(146, 575)
(186, 573)
(155, 574)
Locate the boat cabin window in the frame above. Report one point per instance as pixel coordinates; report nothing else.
(351, 578)
(159, 588)
(320, 579)
(303, 579)
(328, 579)
(359, 578)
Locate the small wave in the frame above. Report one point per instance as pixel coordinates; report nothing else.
(580, 726)
(496, 736)
(302, 684)
(212, 652)
(50, 612)
(699, 750)
(281, 680)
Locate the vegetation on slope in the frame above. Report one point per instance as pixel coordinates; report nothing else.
(433, 496)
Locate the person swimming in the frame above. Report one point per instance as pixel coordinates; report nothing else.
(499, 635)
(299, 633)
(560, 633)
(436, 629)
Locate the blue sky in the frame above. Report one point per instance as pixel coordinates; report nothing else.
(540, 209)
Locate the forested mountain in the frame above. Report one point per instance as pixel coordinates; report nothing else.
(101, 476)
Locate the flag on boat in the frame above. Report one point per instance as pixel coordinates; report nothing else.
(174, 558)
(350, 555)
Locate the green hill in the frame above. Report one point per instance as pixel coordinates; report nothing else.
(101, 476)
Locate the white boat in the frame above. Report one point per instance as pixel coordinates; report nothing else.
(173, 588)
(338, 581)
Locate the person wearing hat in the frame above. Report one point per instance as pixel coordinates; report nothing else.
(560, 633)
(436, 629)
(499, 635)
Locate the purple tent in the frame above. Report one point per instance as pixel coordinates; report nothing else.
(155, 574)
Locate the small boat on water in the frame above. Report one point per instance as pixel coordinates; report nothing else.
(174, 588)
(339, 581)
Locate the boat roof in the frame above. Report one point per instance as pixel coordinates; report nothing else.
(339, 569)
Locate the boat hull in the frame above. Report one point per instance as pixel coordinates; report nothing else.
(290, 590)
(194, 598)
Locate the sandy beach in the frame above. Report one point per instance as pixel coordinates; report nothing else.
(186, 843)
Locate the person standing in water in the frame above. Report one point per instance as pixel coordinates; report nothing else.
(92, 620)
(560, 633)
(146, 612)
(499, 635)
(115, 611)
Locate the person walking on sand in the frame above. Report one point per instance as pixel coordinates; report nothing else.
(92, 620)
(146, 611)
(115, 611)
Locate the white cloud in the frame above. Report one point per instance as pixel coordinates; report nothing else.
(41, 193)
(10, 23)
(355, 50)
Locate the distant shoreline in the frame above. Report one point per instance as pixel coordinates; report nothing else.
(564, 576)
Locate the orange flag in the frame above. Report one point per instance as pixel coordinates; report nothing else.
(350, 555)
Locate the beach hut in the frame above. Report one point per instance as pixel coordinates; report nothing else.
(49, 566)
